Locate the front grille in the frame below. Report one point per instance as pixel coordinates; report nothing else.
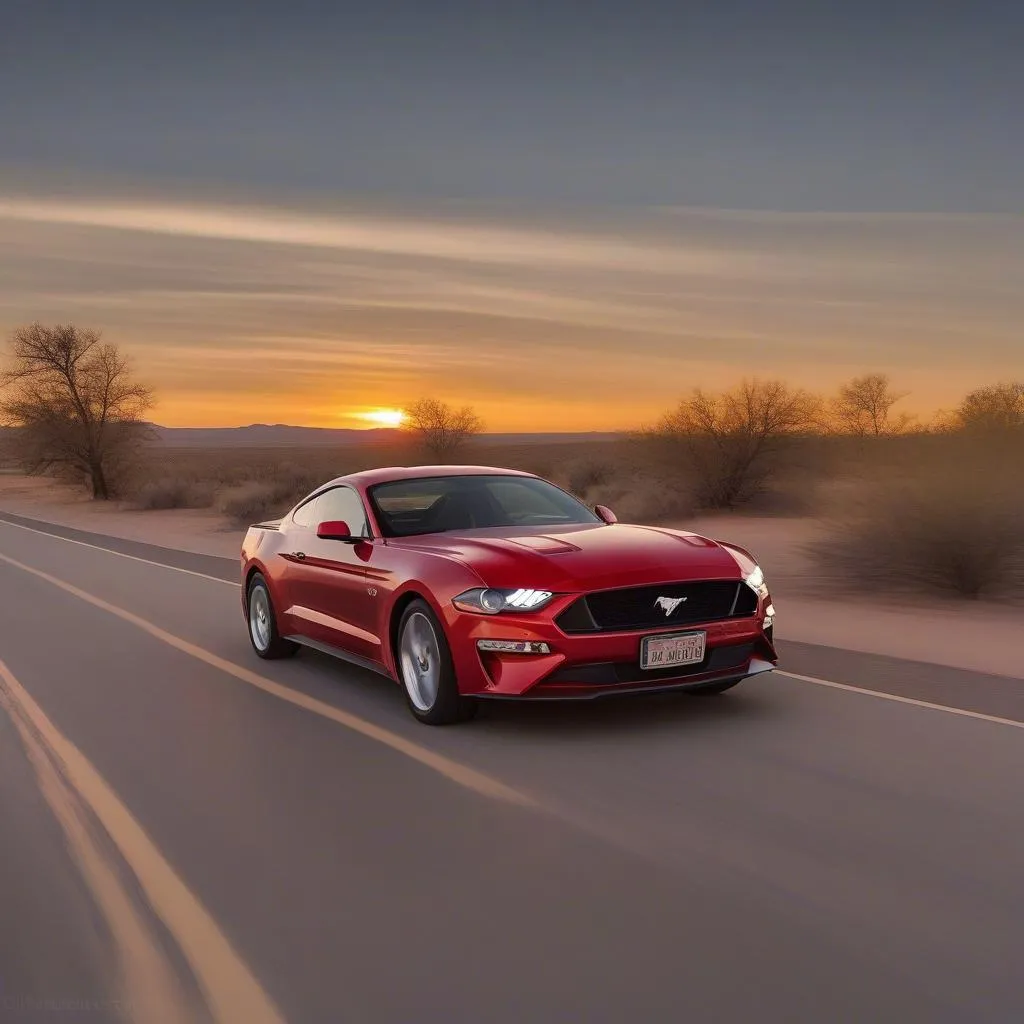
(609, 611)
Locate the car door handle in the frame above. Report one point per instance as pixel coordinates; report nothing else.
(300, 555)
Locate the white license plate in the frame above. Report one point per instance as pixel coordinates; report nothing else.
(675, 649)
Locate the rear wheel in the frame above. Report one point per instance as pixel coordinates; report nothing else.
(426, 670)
(266, 641)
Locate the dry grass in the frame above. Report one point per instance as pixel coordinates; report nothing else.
(250, 484)
(932, 514)
(939, 527)
(171, 492)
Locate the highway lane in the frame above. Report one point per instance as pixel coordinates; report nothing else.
(788, 852)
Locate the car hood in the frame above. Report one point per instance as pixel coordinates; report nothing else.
(582, 558)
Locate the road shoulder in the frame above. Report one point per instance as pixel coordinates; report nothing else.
(981, 640)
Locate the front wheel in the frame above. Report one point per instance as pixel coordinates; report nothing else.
(266, 641)
(426, 670)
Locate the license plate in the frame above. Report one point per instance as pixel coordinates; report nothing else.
(675, 649)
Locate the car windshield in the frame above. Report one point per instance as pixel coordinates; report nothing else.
(408, 508)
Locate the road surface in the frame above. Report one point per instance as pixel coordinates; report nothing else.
(190, 834)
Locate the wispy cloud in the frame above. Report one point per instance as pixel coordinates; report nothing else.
(480, 243)
(312, 310)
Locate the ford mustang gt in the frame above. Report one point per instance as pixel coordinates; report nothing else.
(464, 583)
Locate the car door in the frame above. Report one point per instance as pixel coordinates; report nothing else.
(330, 594)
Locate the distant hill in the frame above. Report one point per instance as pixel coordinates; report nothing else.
(265, 435)
(261, 435)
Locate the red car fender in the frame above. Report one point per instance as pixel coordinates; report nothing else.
(253, 566)
(453, 579)
(734, 550)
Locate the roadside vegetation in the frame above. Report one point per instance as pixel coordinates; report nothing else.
(905, 505)
(76, 406)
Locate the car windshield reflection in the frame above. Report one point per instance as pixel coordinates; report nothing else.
(424, 505)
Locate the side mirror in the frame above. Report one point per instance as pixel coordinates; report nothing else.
(334, 530)
(606, 514)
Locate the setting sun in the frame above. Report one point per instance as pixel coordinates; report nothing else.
(382, 417)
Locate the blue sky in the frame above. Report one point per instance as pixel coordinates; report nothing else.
(582, 207)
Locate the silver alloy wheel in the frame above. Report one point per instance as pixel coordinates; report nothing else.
(259, 618)
(420, 658)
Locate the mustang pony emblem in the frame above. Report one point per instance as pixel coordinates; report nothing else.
(669, 604)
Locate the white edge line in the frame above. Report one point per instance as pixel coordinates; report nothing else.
(791, 675)
(121, 554)
(902, 700)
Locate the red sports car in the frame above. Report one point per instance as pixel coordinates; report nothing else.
(463, 583)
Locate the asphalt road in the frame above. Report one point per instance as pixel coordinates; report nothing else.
(190, 834)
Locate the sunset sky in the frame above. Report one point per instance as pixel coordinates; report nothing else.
(566, 214)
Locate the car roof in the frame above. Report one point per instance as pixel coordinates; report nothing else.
(370, 477)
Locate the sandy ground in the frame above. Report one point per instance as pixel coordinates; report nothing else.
(981, 636)
(978, 636)
(197, 530)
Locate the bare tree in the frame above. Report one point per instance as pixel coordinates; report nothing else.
(441, 430)
(864, 405)
(74, 404)
(997, 407)
(731, 440)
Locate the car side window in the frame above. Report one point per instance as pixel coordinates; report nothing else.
(342, 504)
(306, 514)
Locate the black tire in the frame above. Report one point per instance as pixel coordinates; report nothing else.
(448, 706)
(272, 645)
(712, 689)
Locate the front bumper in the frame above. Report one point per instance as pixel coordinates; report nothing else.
(596, 665)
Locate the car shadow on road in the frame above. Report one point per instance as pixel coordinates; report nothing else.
(362, 692)
(624, 714)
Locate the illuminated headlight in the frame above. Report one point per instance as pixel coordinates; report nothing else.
(491, 601)
(757, 583)
(514, 646)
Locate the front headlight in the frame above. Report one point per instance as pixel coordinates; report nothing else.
(491, 601)
(755, 580)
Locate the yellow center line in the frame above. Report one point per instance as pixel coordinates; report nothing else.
(232, 992)
(461, 774)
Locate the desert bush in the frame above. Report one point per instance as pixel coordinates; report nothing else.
(582, 476)
(249, 502)
(997, 408)
(959, 533)
(169, 492)
(863, 408)
(732, 443)
(76, 406)
(641, 497)
(255, 500)
(439, 429)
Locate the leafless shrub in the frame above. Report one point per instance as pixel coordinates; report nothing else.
(249, 502)
(959, 533)
(77, 409)
(731, 443)
(648, 500)
(864, 407)
(169, 493)
(997, 408)
(255, 500)
(439, 429)
(585, 475)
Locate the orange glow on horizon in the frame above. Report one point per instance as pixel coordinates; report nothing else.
(381, 417)
(310, 315)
